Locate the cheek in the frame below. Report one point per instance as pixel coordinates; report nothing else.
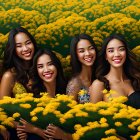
(124, 54)
(32, 47)
(55, 71)
(106, 56)
(39, 71)
(79, 56)
(18, 50)
(93, 53)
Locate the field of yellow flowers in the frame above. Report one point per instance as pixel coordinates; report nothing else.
(54, 22)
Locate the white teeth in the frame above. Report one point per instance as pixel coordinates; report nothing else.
(117, 60)
(88, 59)
(27, 54)
(48, 75)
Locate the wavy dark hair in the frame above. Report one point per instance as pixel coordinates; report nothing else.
(38, 85)
(75, 63)
(11, 60)
(131, 66)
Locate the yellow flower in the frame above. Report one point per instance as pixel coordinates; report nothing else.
(15, 115)
(105, 91)
(111, 138)
(77, 126)
(138, 128)
(110, 131)
(25, 106)
(34, 119)
(82, 92)
(118, 124)
(103, 120)
(2, 127)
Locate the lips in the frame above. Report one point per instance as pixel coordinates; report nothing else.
(89, 59)
(48, 75)
(117, 60)
(27, 54)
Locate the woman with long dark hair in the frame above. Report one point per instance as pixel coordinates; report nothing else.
(47, 77)
(83, 53)
(18, 56)
(39, 83)
(119, 70)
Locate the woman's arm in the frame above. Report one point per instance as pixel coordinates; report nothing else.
(7, 83)
(73, 88)
(96, 91)
(5, 134)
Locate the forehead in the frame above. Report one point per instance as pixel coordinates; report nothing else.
(44, 59)
(21, 37)
(114, 43)
(83, 43)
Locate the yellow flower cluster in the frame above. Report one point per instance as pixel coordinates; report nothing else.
(104, 120)
(54, 22)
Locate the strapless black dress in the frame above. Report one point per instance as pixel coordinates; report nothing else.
(134, 100)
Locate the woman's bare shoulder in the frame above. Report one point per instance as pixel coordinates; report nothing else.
(73, 86)
(97, 83)
(9, 74)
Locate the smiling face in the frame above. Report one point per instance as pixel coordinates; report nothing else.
(85, 52)
(46, 69)
(24, 46)
(116, 53)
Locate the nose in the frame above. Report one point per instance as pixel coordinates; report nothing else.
(46, 68)
(87, 52)
(25, 48)
(116, 53)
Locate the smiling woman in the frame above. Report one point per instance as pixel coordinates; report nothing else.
(47, 77)
(83, 60)
(118, 70)
(18, 55)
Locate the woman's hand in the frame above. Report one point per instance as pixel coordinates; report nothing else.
(5, 134)
(27, 127)
(21, 135)
(57, 133)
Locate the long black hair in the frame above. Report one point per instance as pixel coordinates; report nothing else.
(131, 66)
(38, 82)
(75, 63)
(11, 60)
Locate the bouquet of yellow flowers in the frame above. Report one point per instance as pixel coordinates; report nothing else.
(44, 115)
(17, 107)
(100, 121)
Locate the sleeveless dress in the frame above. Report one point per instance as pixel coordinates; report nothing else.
(134, 100)
(18, 89)
(75, 86)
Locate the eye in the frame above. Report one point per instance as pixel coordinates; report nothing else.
(110, 50)
(122, 49)
(39, 66)
(80, 50)
(50, 63)
(91, 48)
(18, 45)
(29, 42)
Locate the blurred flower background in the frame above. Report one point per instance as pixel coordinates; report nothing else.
(54, 22)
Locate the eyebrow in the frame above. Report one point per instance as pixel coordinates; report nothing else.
(25, 41)
(46, 63)
(118, 47)
(85, 46)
